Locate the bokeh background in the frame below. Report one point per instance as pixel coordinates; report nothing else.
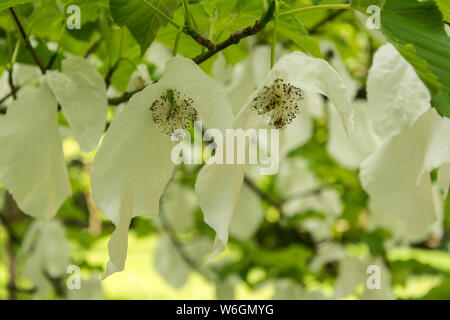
(302, 234)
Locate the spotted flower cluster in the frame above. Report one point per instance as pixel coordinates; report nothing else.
(278, 103)
(173, 111)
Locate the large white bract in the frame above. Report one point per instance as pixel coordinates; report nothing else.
(32, 165)
(218, 202)
(133, 164)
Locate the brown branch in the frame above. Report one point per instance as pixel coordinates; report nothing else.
(264, 196)
(11, 84)
(92, 48)
(123, 98)
(110, 73)
(10, 212)
(234, 38)
(52, 60)
(304, 194)
(27, 41)
(201, 40)
(8, 95)
(315, 28)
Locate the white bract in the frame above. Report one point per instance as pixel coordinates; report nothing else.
(395, 94)
(298, 186)
(48, 255)
(90, 289)
(414, 141)
(133, 164)
(350, 151)
(171, 265)
(397, 176)
(81, 92)
(398, 140)
(293, 73)
(329, 50)
(241, 80)
(180, 203)
(248, 215)
(32, 166)
(354, 277)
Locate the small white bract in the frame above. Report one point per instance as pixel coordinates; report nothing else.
(173, 111)
(278, 103)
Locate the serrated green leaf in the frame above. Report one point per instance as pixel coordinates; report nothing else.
(142, 21)
(418, 26)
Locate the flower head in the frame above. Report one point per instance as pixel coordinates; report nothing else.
(173, 111)
(278, 103)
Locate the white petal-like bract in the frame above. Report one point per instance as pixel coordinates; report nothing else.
(133, 164)
(81, 92)
(248, 215)
(396, 95)
(48, 252)
(218, 188)
(131, 170)
(32, 165)
(357, 272)
(397, 176)
(350, 150)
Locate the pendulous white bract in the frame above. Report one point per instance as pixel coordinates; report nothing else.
(81, 92)
(32, 166)
(298, 70)
(133, 164)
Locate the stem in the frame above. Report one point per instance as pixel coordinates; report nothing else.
(315, 28)
(234, 38)
(163, 15)
(92, 48)
(7, 219)
(27, 41)
(177, 42)
(111, 72)
(187, 16)
(275, 32)
(58, 47)
(324, 6)
(11, 83)
(123, 98)
(15, 53)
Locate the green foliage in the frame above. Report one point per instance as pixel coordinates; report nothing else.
(141, 19)
(293, 30)
(364, 4)
(11, 3)
(417, 30)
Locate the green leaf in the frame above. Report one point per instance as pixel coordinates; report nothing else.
(12, 3)
(4, 52)
(362, 5)
(142, 21)
(417, 30)
(444, 5)
(294, 31)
